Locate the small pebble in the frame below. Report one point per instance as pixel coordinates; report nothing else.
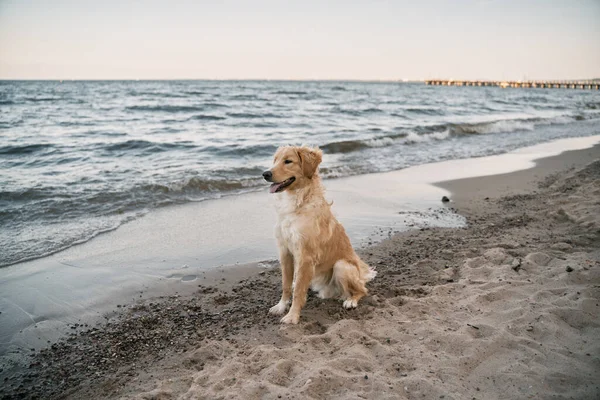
(569, 269)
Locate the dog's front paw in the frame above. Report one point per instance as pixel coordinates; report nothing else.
(350, 303)
(290, 318)
(278, 309)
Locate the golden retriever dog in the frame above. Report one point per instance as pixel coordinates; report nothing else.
(314, 249)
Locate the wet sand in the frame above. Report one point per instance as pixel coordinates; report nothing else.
(506, 307)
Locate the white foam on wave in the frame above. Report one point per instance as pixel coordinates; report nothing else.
(413, 137)
(380, 142)
(497, 127)
(510, 125)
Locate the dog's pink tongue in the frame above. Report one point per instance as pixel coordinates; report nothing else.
(274, 187)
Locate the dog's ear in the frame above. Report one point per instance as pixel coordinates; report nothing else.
(310, 160)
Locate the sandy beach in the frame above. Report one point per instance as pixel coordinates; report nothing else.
(506, 307)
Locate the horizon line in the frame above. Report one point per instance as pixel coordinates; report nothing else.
(397, 80)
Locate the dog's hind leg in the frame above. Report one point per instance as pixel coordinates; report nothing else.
(287, 276)
(325, 285)
(349, 279)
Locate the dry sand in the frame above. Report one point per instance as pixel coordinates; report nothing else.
(506, 308)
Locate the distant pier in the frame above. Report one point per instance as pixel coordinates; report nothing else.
(593, 85)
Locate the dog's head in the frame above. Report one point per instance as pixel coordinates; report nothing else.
(293, 167)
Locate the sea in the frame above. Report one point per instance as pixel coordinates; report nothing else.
(78, 158)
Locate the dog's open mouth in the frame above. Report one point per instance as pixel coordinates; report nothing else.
(278, 187)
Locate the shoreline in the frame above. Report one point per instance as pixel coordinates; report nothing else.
(519, 180)
(467, 196)
(258, 190)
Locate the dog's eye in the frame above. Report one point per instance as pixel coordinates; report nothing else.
(288, 161)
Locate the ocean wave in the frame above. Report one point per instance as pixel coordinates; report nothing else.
(194, 93)
(532, 98)
(98, 132)
(252, 116)
(348, 146)
(24, 195)
(167, 95)
(206, 117)
(409, 137)
(261, 124)
(507, 125)
(214, 105)
(424, 110)
(345, 146)
(442, 132)
(396, 115)
(592, 105)
(24, 149)
(290, 92)
(358, 113)
(547, 106)
(41, 99)
(165, 108)
(238, 150)
(339, 89)
(6, 102)
(245, 97)
(492, 127)
(414, 137)
(76, 123)
(203, 185)
(146, 146)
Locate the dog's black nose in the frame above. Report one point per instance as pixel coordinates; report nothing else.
(267, 175)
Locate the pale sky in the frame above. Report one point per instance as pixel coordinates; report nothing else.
(310, 39)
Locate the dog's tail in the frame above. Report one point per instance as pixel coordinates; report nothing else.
(366, 273)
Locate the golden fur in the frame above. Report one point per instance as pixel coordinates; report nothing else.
(313, 246)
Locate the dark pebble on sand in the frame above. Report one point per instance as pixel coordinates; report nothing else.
(445, 199)
(366, 377)
(569, 269)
